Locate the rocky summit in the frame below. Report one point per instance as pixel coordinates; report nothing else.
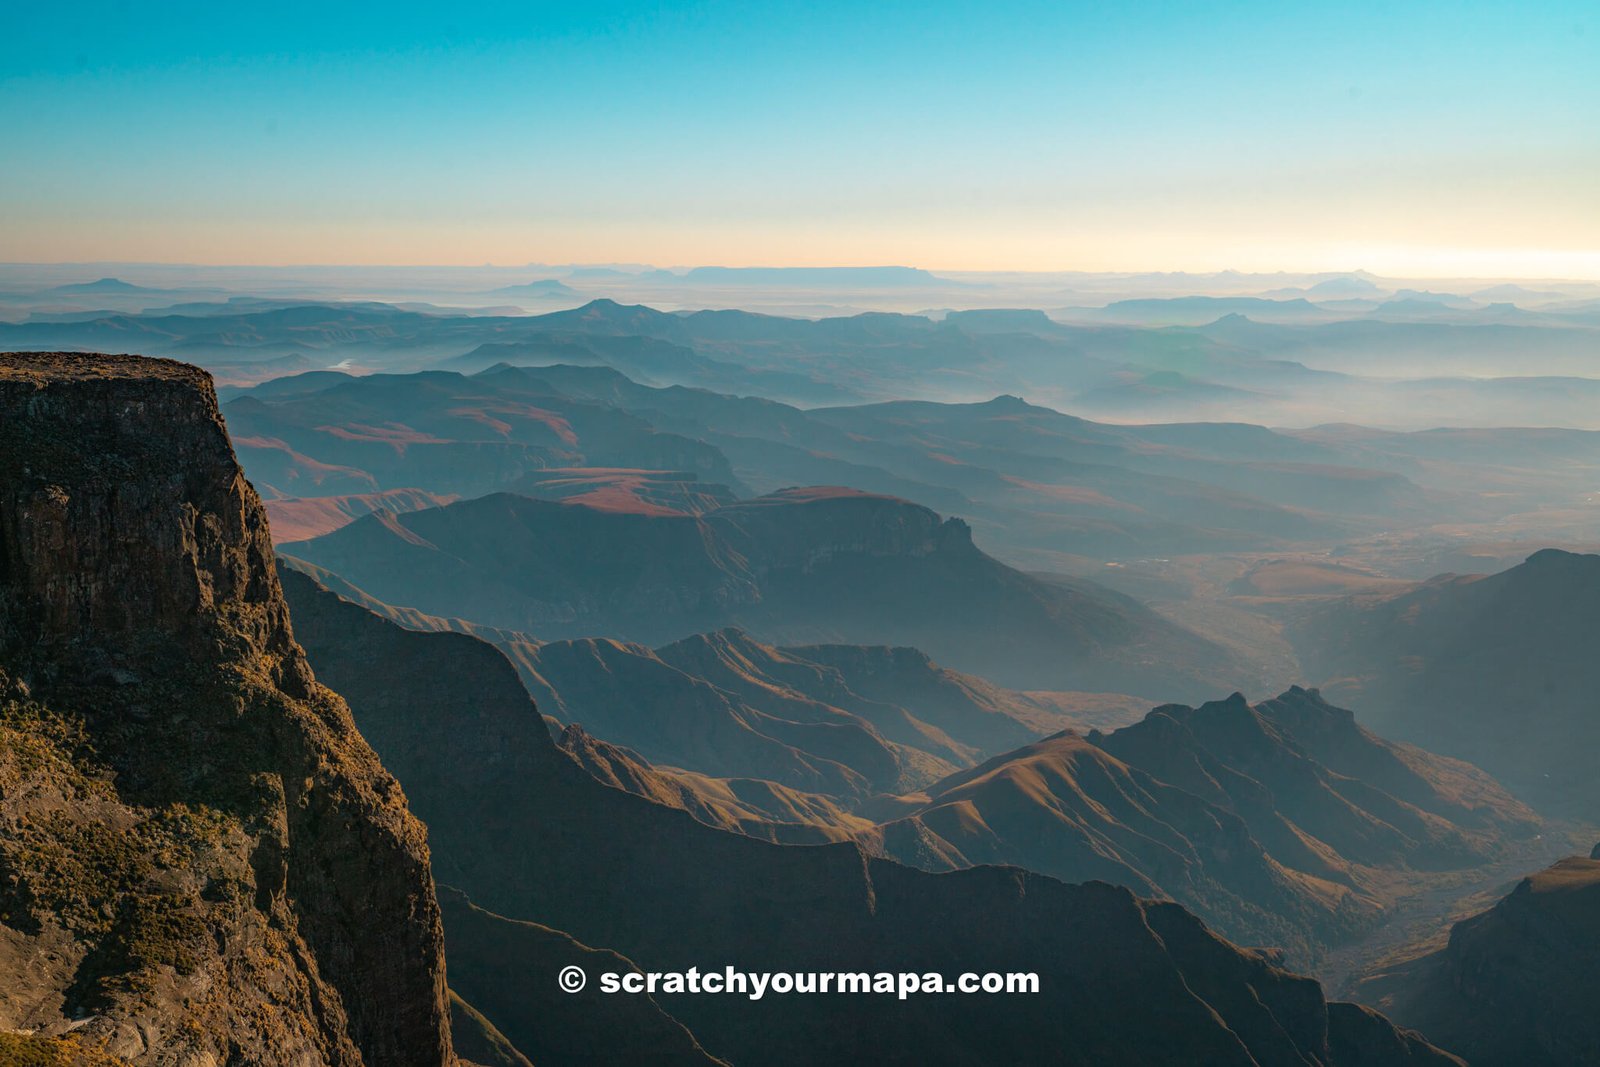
(201, 861)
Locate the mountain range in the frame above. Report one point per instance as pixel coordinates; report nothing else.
(1042, 488)
(798, 566)
(1334, 361)
(1282, 823)
(609, 653)
(1130, 981)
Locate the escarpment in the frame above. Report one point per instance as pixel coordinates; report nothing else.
(201, 861)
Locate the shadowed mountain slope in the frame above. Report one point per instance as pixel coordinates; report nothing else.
(529, 835)
(1066, 808)
(1515, 984)
(726, 712)
(203, 861)
(1499, 670)
(299, 519)
(625, 693)
(1378, 804)
(803, 565)
(902, 692)
(755, 806)
(542, 1023)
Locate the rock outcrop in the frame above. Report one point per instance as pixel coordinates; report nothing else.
(201, 861)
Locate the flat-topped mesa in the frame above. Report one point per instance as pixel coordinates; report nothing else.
(801, 526)
(127, 530)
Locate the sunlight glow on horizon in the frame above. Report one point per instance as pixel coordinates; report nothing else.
(1431, 140)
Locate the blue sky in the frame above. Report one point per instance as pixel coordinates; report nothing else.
(1414, 137)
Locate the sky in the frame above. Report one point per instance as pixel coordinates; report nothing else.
(1411, 139)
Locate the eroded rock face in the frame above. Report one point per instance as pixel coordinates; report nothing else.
(199, 855)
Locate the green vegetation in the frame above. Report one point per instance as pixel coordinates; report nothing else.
(31, 1050)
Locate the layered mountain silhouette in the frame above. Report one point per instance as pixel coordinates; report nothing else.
(1290, 374)
(531, 837)
(1283, 823)
(300, 518)
(844, 720)
(444, 433)
(541, 288)
(801, 565)
(1032, 479)
(203, 862)
(1515, 984)
(1037, 476)
(631, 695)
(1499, 670)
(749, 732)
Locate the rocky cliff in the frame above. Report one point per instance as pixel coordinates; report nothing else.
(201, 861)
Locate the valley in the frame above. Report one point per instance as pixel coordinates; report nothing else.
(711, 534)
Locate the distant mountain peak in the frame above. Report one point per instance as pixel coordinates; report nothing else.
(1008, 402)
(872, 277)
(103, 285)
(537, 287)
(1557, 557)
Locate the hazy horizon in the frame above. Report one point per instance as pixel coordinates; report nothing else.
(635, 266)
(506, 504)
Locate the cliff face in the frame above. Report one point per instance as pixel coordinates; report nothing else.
(126, 527)
(201, 861)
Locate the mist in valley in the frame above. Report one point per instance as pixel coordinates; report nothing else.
(550, 534)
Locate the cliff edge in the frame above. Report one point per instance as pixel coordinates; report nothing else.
(201, 860)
